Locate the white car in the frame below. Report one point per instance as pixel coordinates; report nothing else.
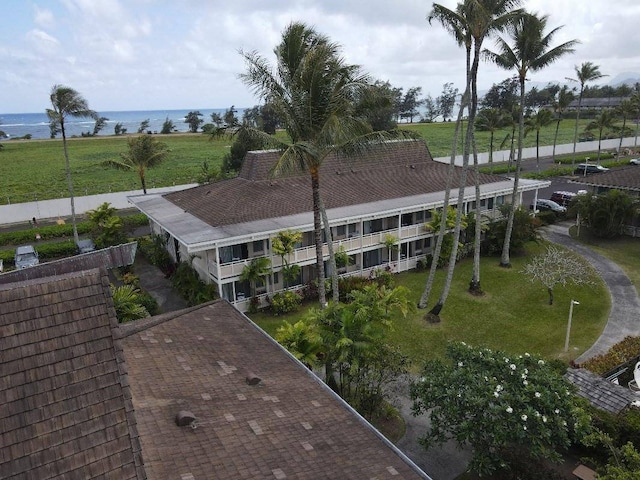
(635, 161)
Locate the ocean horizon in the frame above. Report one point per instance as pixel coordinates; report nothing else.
(17, 125)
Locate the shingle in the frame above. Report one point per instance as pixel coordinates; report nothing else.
(600, 392)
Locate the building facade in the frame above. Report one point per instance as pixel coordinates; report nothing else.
(387, 193)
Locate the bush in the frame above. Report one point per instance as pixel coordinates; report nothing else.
(285, 302)
(188, 284)
(620, 353)
(155, 251)
(46, 233)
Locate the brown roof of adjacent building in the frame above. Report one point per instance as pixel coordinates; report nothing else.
(388, 171)
(65, 406)
(600, 392)
(625, 178)
(288, 426)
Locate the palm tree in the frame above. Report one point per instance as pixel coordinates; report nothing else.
(604, 121)
(255, 271)
(144, 152)
(313, 90)
(66, 102)
(541, 119)
(490, 120)
(302, 340)
(587, 72)
(627, 109)
(531, 52)
(283, 245)
(560, 104)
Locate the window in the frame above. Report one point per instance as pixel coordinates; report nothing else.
(406, 219)
(483, 203)
(258, 246)
(420, 216)
(490, 203)
(500, 200)
(341, 230)
(371, 258)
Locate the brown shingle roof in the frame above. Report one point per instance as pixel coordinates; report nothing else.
(626, 178)
(397, 169)
(65, 407)
(600, 392)
(289, 426)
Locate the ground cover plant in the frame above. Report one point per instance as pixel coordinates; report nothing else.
(513, 315)
(34, 169)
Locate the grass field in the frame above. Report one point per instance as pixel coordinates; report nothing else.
(34, 169)
(514, 315)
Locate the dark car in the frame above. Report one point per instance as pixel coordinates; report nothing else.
(563, 198)
(543, 204)
(587, 168)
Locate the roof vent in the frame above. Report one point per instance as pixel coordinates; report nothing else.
(252, 379)
(412, 167)
(185, 418)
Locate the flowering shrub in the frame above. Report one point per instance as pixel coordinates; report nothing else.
(499, 404)
(285, 302)
(620, 353)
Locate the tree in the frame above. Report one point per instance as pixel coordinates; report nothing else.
(587, 72)
(503, 96)
(431, 110)
(627, 109)
(144, 125)
(217, 120)
(168, 126)
(557, 267)
(510, 410)
(531, 52)
(378, 106)
(257, 269)
(490, 120)
(230, 117)
(410, 103)
(101, 122)
(447, 100)
(118, 129)
(560, 103)
(128, 303)
(391, 244)
(313, 91)
(106, 226)
(143, 152)
(302, 340)
(193, 120)
(603, 121)
(606, 214)
(624, 461)
(542, 118)
(66, 102)
(283, 245)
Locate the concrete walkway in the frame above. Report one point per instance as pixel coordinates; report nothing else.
(624, 318)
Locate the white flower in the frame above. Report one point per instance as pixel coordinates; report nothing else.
(544, 418)
(540, 362)
(526, 370)
(526, 354)
(564, 424)
(524, 427)
(524, 418)
(524, 382)
(524, 375)
(538, 395)
(556, 411)
(512, 366)
(537, 414)
(509, 410)
(496, 394)
(499, 388)
(460, 364)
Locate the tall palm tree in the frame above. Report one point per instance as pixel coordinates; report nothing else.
(603, 121)
(66, 102)
(560, 104)
(313, 92)
(627, 109)
(535, 123)
(531, 52)
(471, 23)
(490, 120)
(144, 152)
(587, 72)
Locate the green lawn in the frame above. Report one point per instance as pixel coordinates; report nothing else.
(513, 316)
(34, 169)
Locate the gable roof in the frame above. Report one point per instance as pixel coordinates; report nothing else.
(289, 426)
(65, 408)
(625, 178)
(389, 171)
(600, 392)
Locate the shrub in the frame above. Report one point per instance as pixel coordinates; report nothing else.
(189, 285)
(46, 233)
(547, 217)
(620, 353)
(155, 251)
(285, 302)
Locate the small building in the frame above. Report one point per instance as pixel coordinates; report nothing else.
(391, 190)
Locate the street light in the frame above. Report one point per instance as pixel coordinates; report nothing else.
(566, 341)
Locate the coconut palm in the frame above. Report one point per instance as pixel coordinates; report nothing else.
(257, 269)
(144, 152)
(603, 121)
(490, 120)
(283, 245)
(587, 72)
(531, 51)
(560, 104)
(302, 340)
(535, 123)
(627, 109)
(313, 90)
(66, 102)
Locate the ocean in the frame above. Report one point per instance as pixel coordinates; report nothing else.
(17, 125)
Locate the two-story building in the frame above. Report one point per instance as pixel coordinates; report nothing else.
(391, 190)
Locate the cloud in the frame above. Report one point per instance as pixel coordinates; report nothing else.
(44, 18)
(42, 41)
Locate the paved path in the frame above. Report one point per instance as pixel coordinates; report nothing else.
(624, 318)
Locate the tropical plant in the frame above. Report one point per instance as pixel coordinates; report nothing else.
(255, 271)
(118, 129)
(302, 340)
(531, 52)
(144, 152)
(285, 302)
(587, 72)
(144, 125)
(283, 244)
(490, 120)
(66, 102)
(391, 244)
(167, 126)
(106, 226)
(128, 304)
(560, 103)
(605, 214)
(603, 121)
(313, 92)
(542, 118)
(508, 409)
(627, 109)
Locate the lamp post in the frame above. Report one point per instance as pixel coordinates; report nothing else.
(566, 341)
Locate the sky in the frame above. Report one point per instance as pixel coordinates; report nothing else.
(183, 54)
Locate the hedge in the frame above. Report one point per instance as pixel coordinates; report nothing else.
(620, 353)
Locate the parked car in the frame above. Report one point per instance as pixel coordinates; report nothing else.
(85, 245)
(544, 204)
(635, 161)
(587, 168)
(562, 198)
(26, 256)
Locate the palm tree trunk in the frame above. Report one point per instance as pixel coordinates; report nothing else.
(69, 183)
(317, 233)
(332, 256)
(505, 259)
(555, 140)
(624, 125)
(538, 150)
(575, 133)
(144, 184)
(491, 152)
(474, 286)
